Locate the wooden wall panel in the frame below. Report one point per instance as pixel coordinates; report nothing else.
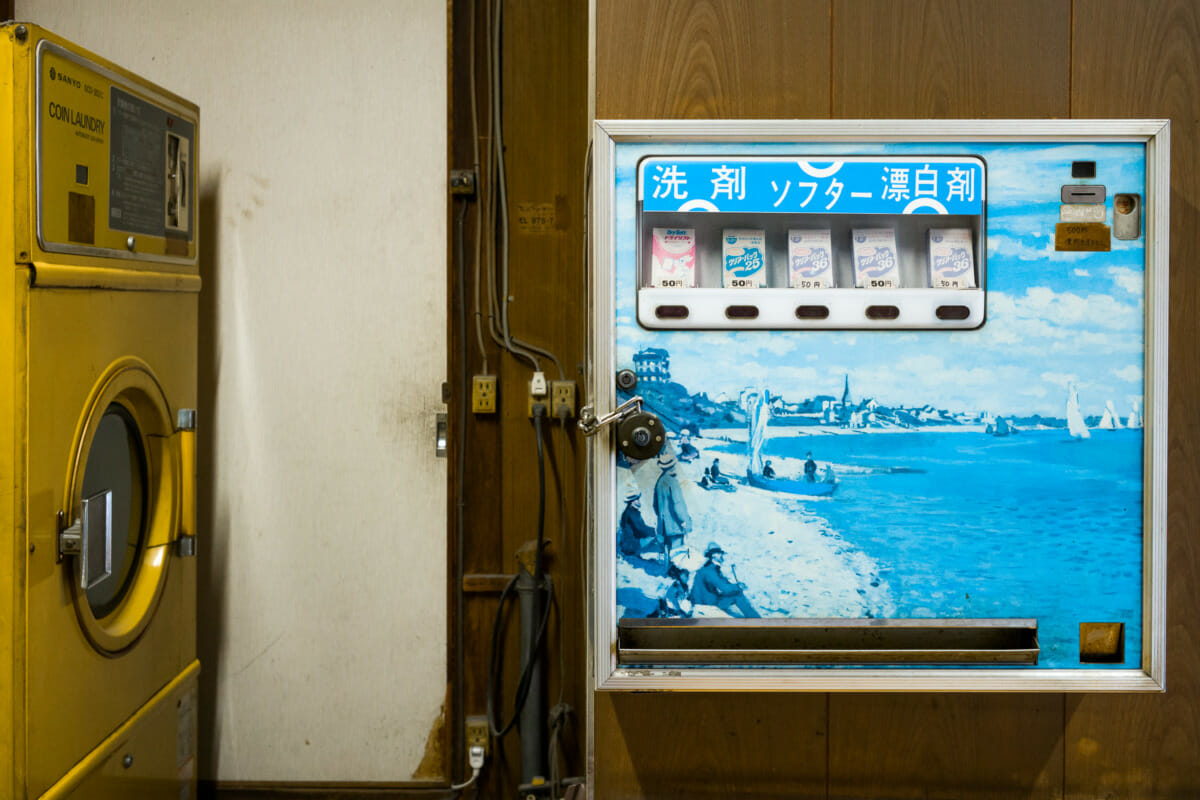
(700, 746)
(1148, 65)
(544, 56)
(939, 58)
(948, 58)
(945, 746)
(712, 59)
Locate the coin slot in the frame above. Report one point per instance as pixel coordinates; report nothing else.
(812, 312)
(953, 312)
(1084, 193)
(742, 312)
(671, 312)
(883, 312)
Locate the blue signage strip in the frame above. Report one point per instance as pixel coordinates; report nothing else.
(890, 185)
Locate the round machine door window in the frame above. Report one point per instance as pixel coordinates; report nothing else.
(123, 492)
(116, 472)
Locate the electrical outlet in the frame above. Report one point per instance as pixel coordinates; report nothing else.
(562, 399)
(477, 734)
(536, 400)
(483, 394)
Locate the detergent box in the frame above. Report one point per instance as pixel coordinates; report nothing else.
(673, 258)
(744, 259)
(876, 262)
(810, 259)
(951, 265)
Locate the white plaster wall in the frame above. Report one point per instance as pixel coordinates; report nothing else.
(322, 165)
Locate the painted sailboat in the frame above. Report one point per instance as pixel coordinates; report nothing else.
(1075, 423)
(758, 413)
(1135, 416)
(1110, 421)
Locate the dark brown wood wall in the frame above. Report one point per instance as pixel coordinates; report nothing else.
(545, 78)
(918, 59)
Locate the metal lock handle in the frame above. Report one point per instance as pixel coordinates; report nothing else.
(640, 434)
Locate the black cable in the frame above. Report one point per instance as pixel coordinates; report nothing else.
(539, 411)
(540, 579)
(494, 672)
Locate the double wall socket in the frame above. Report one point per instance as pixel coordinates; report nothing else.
(562, 399)
(477, 733)
(483, 394)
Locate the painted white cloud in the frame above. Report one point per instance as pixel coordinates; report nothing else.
(1131, 280)
(1009, 247)
(1082, 273)
(1130, 373)
(1060, 379)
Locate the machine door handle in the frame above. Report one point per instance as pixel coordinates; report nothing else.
(90, 538)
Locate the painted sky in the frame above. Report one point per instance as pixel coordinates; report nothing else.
(1052, 318)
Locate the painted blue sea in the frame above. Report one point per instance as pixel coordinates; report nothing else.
(1034, 525)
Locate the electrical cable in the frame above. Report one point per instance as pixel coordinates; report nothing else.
(498, 216)
(478, 183)
(540, 578)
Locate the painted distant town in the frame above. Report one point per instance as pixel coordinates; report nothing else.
(696, 412)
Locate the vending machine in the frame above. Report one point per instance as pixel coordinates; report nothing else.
(878, 405)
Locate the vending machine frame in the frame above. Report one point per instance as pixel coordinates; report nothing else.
(606, 671)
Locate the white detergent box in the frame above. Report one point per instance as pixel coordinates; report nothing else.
(673, 258)
(876, 262)
(951, 265)
(744, 259)
(810, 259)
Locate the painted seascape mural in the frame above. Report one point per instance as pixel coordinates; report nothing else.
(904, 474)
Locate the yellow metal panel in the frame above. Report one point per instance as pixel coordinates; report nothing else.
(76, 694)
(74, 109)
(62, 327)
(151, 757)
(12, 558)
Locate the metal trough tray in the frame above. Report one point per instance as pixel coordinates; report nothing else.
(717, 642)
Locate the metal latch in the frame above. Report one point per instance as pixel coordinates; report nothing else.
(589, 423)
(640, 434)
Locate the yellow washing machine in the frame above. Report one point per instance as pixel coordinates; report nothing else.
(97, 427)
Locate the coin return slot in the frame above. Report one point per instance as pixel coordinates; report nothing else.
(953, 312)
(671, 312)
(883, 312)
(742, 312)
(734, 642)
(812, 312)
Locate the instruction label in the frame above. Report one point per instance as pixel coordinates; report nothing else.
(138, 164)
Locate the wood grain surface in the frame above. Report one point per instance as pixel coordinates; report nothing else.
(948, 58)
(945, 746)
(544, 94)
(712, 59)
(1147, 64)
(694, 746)
(940, 58)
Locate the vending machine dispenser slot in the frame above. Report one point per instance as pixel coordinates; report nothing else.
(741, 642)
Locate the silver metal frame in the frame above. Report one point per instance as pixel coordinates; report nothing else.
(606, 674)
(44, 46)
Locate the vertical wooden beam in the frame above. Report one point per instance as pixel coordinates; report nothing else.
(1144, 61)
(712, 59)
(946, 59)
